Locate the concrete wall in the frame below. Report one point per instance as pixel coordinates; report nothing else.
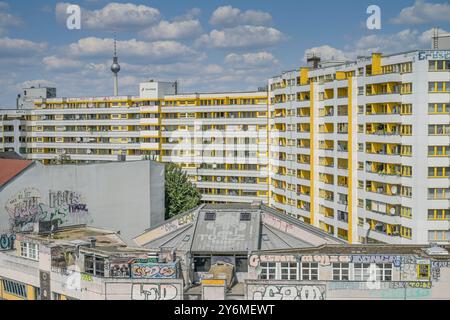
(125, 196)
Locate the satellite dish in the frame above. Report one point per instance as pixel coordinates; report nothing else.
(219, 179)
(199, 178)
(392, 211)
(394, 189)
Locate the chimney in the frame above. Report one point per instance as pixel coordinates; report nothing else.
(93, 242)
(313, 60)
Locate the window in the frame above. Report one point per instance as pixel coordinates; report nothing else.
(438, 214)
(289, 271)
(15, 288)
(56, 296)
(37, 293)
(94, 265)
(210, 216)
(423, 272)
(438, 193)
(361, 271)
(268, 270)
(309, 271)
(439, 235)
(202, 264)
(341, 271)
(384, 271)
(241, 264)
(29, 250)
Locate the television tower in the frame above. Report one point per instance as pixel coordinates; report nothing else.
(115, 68)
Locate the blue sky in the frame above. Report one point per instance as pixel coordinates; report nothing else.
(206, 45)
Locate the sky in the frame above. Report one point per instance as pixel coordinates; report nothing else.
(206, 45)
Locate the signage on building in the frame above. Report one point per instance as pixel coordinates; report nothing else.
(436, 55)
(7, 242)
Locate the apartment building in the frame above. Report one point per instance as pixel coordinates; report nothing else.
(361, 149)
(219, 139)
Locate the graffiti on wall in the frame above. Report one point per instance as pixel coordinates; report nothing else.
(285, 292)
(23, 208)
(27, 207)
(326, 260)
(156, 291)
(7, 242)
(436, 268)
(154, 271)
(166, 228)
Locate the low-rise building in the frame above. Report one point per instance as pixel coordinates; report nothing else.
(83, 263)
(254, 252)
(121, 196)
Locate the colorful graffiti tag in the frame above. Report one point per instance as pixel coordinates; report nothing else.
(154, 271)
(27, 207)
(7, 242)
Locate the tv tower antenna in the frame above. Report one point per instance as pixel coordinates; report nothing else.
(115, 68)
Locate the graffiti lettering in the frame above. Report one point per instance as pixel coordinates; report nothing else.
(154, 271)
(7, 242)
(155, 292)
(86, 277)
(285, 292)
(396, 260)
(27, 208)
(326, 260)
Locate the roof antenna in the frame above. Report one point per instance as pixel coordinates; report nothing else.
(436, 38)
(115, 68)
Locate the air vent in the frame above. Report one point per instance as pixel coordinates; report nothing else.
(246, 216)
(210, 216)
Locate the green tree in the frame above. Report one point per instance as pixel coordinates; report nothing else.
(181, 194)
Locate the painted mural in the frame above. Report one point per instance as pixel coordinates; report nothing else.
(154, 271)
(63, 207)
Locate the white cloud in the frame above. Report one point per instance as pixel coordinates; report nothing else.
(424, 12)
(405, 40)
(173, 30)
(229, 16)
(55, 63)
(251, 60)
(8, 20)
(20, 48)
(149, 51)
(114, 16)
(191, 14)
(241, 37)
(327, 52)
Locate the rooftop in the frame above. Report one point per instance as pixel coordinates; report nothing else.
(10, 168)
(233, 228)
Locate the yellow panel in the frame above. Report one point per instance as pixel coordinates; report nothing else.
(376, 63)
(340, 75)
(304, 76)
(213, 282)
